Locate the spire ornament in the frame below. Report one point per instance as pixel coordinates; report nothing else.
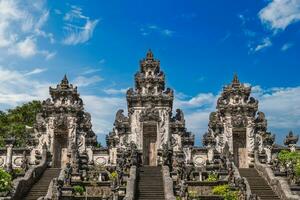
(235, 80)
(149, 55)
(64, 82)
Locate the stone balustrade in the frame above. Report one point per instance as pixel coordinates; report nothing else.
(168, 184)
(23, 185)
(278, 184)
(131, 184)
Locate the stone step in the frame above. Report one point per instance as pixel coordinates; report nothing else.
(150, 184)
(40, 188)
(258, 184)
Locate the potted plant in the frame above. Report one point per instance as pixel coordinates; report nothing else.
(5, 183)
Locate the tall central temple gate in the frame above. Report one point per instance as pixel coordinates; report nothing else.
(149, 125)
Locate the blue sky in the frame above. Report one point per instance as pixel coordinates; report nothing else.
(200, 44)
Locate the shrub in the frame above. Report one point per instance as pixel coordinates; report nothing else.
(78, 189)
(5, 181)
(293, 158)
(212, 177)
(192, 193)
(285, 156)
(113, 175)
(221, 190)
(225, 192)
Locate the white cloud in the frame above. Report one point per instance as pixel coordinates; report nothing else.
(103, 111)
(279, 14)
(112, 91)
(17, 87)
(201, 100)
(79, 28)
(82, 81)
(26, 48)
(90, 71)
(266, 42)
(21, 24)
(281, 106)
(35, 71)
(286, 46)
(152, 28)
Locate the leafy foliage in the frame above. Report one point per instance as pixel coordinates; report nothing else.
(286, 157)
(225, 192)
(5, 181)
(14, 122)
(78, 189)
(113, 175)
(212, 177)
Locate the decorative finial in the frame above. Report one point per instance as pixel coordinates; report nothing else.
(149, 55)
(64, 81)
(235, 80)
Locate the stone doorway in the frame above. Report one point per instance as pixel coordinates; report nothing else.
(240, 153)
(60, 151)
(149, 144)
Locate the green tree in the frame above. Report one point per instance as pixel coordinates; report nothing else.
(14, 122)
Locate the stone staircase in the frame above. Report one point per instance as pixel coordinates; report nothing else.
(258, 184)
(150, 184)
(40, 188)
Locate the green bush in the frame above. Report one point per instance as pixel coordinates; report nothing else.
(225, 192)
(221, 190)
(286, 157)
(78, 189)
(297, 169)
(212, 177)
(5, 181)
(113, 175)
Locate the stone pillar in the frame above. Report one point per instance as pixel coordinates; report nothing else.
(210, 153)
(9, 153)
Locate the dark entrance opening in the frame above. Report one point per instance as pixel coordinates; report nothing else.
(149, 144)
(60, 146)
(239, 147)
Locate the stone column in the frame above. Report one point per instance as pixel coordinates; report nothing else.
(9, 153)
(210, 153)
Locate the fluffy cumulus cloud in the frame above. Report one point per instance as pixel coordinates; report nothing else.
(21, 25)
(279, 14)
(78, 27)
(17, 87)
(103, 109)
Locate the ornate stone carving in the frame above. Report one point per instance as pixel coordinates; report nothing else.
(291, 139)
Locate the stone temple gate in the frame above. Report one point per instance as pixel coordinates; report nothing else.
(237, 127)
(63, 126)
(149, 124)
